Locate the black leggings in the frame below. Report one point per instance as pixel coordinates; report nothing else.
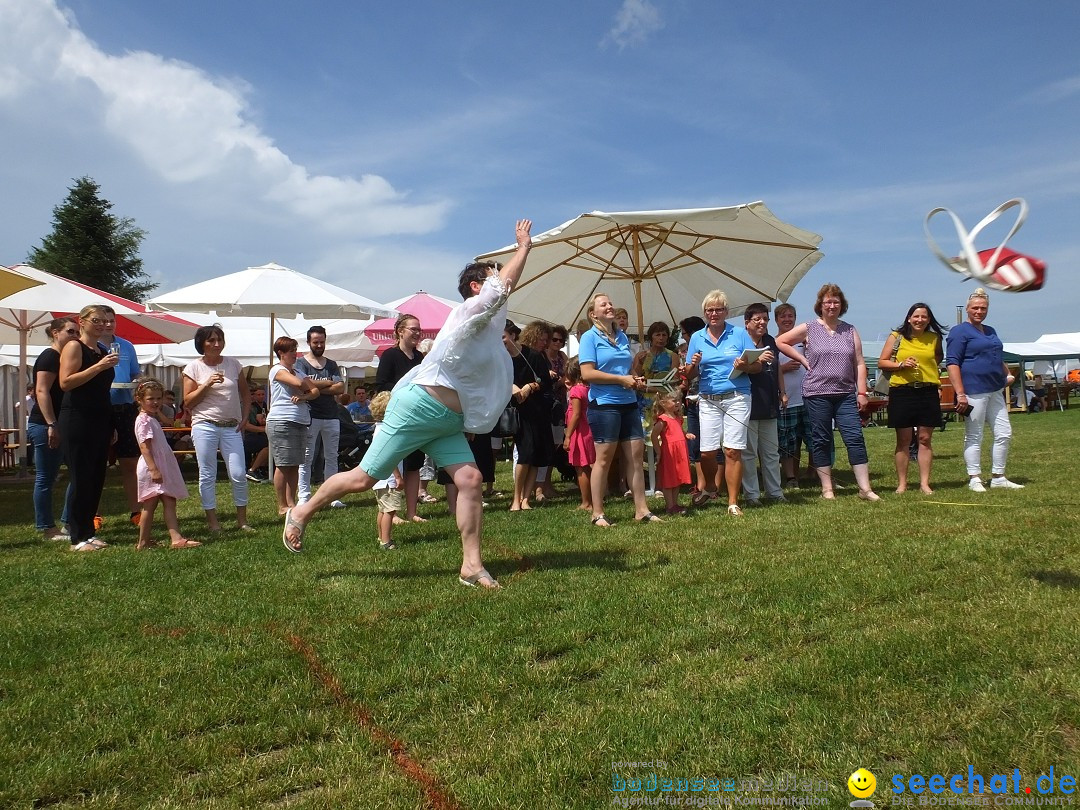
(86, 438)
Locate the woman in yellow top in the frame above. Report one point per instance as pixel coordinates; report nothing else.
(914, 401)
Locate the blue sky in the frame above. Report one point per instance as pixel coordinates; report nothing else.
(381, 146)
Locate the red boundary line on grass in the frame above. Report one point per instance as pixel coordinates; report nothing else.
(437, 796)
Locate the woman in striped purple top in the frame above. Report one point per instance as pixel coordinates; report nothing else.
(834, 388)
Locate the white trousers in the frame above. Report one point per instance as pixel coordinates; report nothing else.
(208, 440)
(761, 439)
(987, 409)
(329, 430)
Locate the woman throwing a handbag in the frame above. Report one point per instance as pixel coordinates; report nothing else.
(978, 374)
(912, 355)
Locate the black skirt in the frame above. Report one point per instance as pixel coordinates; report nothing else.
(911, 407)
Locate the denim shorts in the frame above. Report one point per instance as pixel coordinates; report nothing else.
(615, 423)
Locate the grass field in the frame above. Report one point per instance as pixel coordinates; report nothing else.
(919, 635)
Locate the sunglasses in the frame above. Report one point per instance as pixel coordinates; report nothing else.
(558, 339)
(102, 321)
(71, 331)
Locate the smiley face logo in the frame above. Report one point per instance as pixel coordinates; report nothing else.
(862, 784)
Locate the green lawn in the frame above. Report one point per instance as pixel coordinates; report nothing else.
(919, 635)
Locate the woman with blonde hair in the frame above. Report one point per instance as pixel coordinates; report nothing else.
(397, 361)
(716, 355)
(86, 375)
(605, 359)
(978, 373)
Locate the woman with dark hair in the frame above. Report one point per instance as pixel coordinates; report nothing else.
(219, 400)
(288, 421)
(43, 427)
(912, 354)
(397, 361)
(557, 359)
(834, 388)
(533, 447)
(86, 375)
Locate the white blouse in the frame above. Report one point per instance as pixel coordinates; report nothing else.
(468, 356)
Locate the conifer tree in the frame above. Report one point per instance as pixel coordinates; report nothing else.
(90, 245)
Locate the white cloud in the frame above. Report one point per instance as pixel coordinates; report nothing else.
(188, 126)
(634, 22)
(1057, 91)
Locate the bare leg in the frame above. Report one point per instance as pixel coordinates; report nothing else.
(633, 454)
(926, 459)
(470, 516)
(825, 476)
(334, 488)
(733, 467)
(286, 480)
(212, 521)
(451, 499)
(903, 441)
(412, 495)
(584, 487)
(146, 522)
(709, 467)
(524, 483)
(385, 523)
(241, 515)
(598, 479)
(862, 478)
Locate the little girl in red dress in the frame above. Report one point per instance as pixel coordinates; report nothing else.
(578, 441)
(672, 458)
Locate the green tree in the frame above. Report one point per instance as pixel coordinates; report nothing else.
(90, 245)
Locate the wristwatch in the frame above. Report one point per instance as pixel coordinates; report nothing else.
(51, 425)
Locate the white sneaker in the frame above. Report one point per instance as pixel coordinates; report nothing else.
(337, 505)
(975, 485)
(1004, 483)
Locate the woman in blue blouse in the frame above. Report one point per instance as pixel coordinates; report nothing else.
(605, 359)
(979, 374)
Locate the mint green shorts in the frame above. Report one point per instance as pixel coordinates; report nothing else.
(415, 420)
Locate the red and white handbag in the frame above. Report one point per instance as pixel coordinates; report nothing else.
(998, 268)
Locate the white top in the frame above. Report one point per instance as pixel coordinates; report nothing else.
(469, 357)
(221, 402)
(282, 408)
(793, 380)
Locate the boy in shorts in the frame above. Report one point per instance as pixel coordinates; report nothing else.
(389, 495)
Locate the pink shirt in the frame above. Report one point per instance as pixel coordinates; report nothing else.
(221, 402)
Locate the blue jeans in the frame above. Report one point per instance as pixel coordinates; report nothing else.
(844, 410)
(693, 425)
(47, 466)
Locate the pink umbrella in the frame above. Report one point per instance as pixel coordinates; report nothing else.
(430, 310)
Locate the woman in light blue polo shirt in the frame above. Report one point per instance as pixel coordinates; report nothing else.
(724, 401)
(605, 359)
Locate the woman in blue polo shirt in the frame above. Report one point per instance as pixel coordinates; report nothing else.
(724, 401)
(605, 359)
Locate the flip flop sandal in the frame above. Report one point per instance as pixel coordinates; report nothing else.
(297, 545)
(596, 522)
(183, 542)
(649, 517)
(475, 580)
(85, 545)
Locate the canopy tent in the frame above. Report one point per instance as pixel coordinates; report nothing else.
(1045, 353)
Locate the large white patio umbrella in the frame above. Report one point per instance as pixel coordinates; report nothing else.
(271, 291)
(53, 296)
(660, 264)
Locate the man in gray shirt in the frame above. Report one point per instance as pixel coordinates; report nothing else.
(325, 374)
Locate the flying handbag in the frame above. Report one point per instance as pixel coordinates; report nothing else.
(998, 268)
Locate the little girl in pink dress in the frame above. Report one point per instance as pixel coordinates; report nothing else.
(578, 441)
(158, 474)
